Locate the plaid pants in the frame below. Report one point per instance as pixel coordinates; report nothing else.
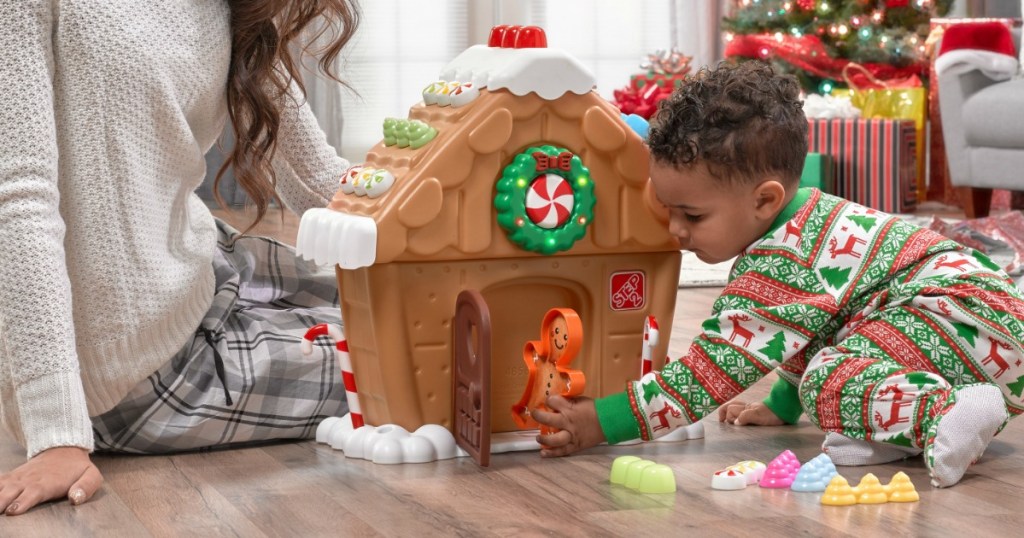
(243, 378)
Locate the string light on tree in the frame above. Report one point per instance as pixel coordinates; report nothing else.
(814, 39)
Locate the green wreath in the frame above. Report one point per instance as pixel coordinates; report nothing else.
(521, 223)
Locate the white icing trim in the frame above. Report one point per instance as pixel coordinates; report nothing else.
(550, 73)
(333, 237)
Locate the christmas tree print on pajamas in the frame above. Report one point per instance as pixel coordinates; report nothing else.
(876, 320)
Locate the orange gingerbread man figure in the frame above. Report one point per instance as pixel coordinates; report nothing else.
(547, 361)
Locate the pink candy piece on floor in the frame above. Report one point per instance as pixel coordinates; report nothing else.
(781, 471)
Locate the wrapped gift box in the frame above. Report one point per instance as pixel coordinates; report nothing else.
(874, 160)
(818, 173)
(666, 83)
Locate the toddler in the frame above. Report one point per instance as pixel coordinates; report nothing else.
(893, 339)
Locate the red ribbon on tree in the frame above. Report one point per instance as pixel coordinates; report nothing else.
(809, 54)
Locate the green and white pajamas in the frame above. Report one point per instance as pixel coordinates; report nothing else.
(869, 321)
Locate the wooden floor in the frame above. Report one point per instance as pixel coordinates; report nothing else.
(307, 489)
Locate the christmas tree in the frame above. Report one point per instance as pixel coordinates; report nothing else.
(816, 39)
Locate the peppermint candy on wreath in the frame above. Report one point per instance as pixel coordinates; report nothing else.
(545, 199)
(549, 201)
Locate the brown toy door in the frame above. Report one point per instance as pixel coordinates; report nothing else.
(472, 380)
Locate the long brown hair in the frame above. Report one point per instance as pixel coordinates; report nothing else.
(264, 36)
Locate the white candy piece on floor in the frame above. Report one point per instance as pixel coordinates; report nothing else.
(728, 479)
(751, 469)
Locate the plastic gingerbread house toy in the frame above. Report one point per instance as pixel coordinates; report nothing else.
(514, 179)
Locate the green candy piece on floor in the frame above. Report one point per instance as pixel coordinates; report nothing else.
(657, 479)
(634, 471)
(618, 475)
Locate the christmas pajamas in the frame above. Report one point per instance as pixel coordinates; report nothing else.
(874, 319)
(243, 378)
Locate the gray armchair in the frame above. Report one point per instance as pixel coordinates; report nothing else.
(983, 128)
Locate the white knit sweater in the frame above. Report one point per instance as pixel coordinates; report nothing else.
(106, 112)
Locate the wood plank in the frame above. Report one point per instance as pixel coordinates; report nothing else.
(307, 489)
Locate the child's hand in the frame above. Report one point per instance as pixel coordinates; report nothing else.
(577, 420)
(62, 472)
(743, 414)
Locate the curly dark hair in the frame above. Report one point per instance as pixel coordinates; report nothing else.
(266, 44)
(744, 121)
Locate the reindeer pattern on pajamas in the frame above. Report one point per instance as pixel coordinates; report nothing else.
(874, 319)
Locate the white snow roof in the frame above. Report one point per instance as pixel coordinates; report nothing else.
(550, 73)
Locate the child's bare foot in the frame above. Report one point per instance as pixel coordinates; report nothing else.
(847, 451)
(963, 432)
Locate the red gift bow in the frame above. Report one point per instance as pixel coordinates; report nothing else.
(548, 162)
(643, 102)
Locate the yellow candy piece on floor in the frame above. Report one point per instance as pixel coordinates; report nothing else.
(838, 493)
(870, 491)
(901, 489)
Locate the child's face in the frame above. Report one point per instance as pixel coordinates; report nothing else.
(713, 220)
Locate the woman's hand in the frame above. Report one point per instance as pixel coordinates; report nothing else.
(52, 474)
(577, 420)
(743, 414)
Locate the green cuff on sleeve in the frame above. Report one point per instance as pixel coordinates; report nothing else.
(616, 418)
(784, 401)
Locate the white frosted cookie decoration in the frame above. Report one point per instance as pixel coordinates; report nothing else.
(379, 182)
(349, 177)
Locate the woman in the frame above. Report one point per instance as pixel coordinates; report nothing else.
(130, 319)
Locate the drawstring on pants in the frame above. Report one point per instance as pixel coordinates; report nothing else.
(218, 363)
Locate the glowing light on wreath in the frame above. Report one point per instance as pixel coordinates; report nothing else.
(545, 199)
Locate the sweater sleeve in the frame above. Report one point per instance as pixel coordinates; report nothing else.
(784, 401)
(308, 169)
(751, 332)
(43, 399)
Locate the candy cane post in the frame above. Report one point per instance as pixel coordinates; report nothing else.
(650, 340)
(341, 345)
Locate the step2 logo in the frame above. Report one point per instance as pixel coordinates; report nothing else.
(627, 290)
